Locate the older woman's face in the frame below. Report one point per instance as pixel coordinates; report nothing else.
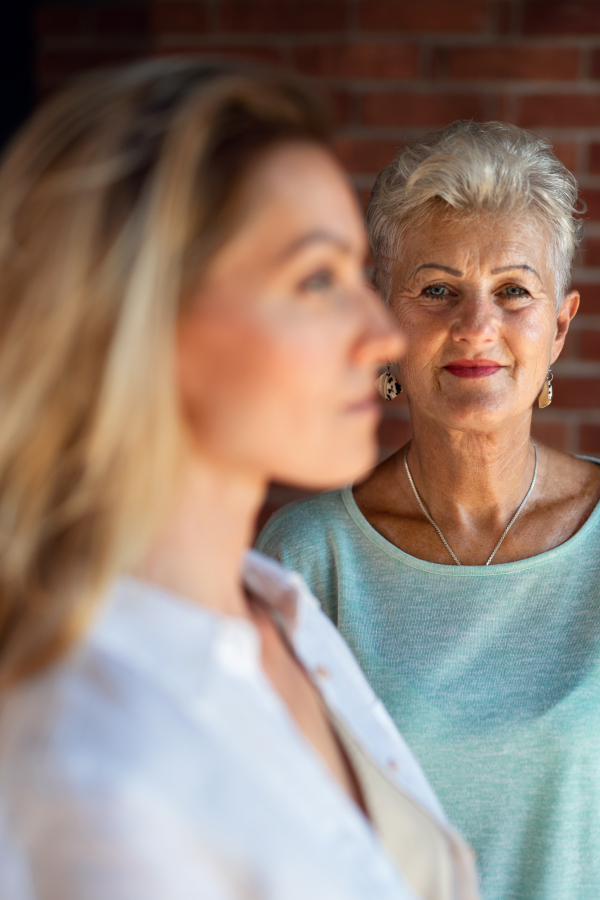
(278, 354)
(476, 302)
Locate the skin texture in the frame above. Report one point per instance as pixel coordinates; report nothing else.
(470, 289)
(277, 358)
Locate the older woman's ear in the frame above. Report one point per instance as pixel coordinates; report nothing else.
(566, 312)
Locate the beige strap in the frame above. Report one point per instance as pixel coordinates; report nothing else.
(435, 863)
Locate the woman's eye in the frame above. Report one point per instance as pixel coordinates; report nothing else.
(436, 290)
(319, 281)
(513, 290)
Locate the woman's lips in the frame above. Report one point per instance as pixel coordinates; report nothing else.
(473, 368)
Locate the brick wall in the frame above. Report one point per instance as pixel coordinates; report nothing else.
(395, 68)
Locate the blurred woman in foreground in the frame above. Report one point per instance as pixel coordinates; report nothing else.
(184, 317)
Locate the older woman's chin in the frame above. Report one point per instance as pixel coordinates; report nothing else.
(479, 409)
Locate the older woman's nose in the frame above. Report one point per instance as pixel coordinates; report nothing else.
(476, 321)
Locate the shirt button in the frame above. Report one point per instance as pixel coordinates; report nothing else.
(321, 672)
(392, 765)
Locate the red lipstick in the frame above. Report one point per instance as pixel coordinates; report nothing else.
(473, 368)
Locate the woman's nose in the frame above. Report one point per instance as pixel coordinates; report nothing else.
(476, 321)
(382, 340)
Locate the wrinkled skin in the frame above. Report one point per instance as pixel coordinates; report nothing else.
(468, 289)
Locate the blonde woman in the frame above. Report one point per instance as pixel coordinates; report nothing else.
(184, 316)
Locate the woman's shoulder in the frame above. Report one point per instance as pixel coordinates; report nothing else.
(570, 479)
(108, 699)
(566, 502)
(305, 520)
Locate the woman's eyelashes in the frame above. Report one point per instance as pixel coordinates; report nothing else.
(513, 296)
(514, 291)
(507, 292)
(438, 291)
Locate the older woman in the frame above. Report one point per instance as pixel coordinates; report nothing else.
(184, 316)
(465, 571)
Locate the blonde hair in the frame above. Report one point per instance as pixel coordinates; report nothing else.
(111, 202)
(473, 169)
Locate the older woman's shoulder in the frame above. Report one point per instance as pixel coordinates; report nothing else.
(306, 517)
(570, 473)
(301, 536)
(570, 486)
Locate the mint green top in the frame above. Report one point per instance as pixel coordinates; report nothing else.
(492, 675)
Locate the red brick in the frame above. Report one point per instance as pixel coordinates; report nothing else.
(562, 110)
(576, 393)
(595, 159)
(358, 61)
(394, 432)
(590, 298)
(589, 345)
(566, 151)
(59, 65)
(540, 63)
(570, 349)
(503, 18)
(252, 16)
(268, 509)
(589, 439)
(561, 17)
(552, 433)
(58, 20)
(360, 155)
(423, 15)
(339, 105)
(595, 66)
(122, 20)
(590, 255)
(178, 18)
(267, 55)
(592, 199)
(421, 109)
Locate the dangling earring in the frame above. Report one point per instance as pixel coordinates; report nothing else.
(545, 398)
(388, 386)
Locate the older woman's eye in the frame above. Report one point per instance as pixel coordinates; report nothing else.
(318, 281)
(513, 290)
(436, 290)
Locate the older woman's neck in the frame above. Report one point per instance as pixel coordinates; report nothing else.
(472, 467)
(199, 551)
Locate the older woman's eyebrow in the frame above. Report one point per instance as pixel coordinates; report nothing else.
(437, 266)
(314, 237)
(517, 266)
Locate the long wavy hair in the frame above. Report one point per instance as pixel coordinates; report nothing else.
(112, 200)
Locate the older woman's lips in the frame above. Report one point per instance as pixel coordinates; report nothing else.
(473, 368)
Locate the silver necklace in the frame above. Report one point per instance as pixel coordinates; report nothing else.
(506, 530)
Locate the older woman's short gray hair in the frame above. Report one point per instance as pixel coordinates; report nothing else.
(475, 168)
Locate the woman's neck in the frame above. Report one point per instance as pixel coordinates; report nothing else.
(198, 553)
(471, 477)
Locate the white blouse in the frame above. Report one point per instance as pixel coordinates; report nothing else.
(158, 763)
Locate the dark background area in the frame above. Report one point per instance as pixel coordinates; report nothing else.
(392, 69)
(17, 65)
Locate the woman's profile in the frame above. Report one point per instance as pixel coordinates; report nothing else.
(183, 317)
